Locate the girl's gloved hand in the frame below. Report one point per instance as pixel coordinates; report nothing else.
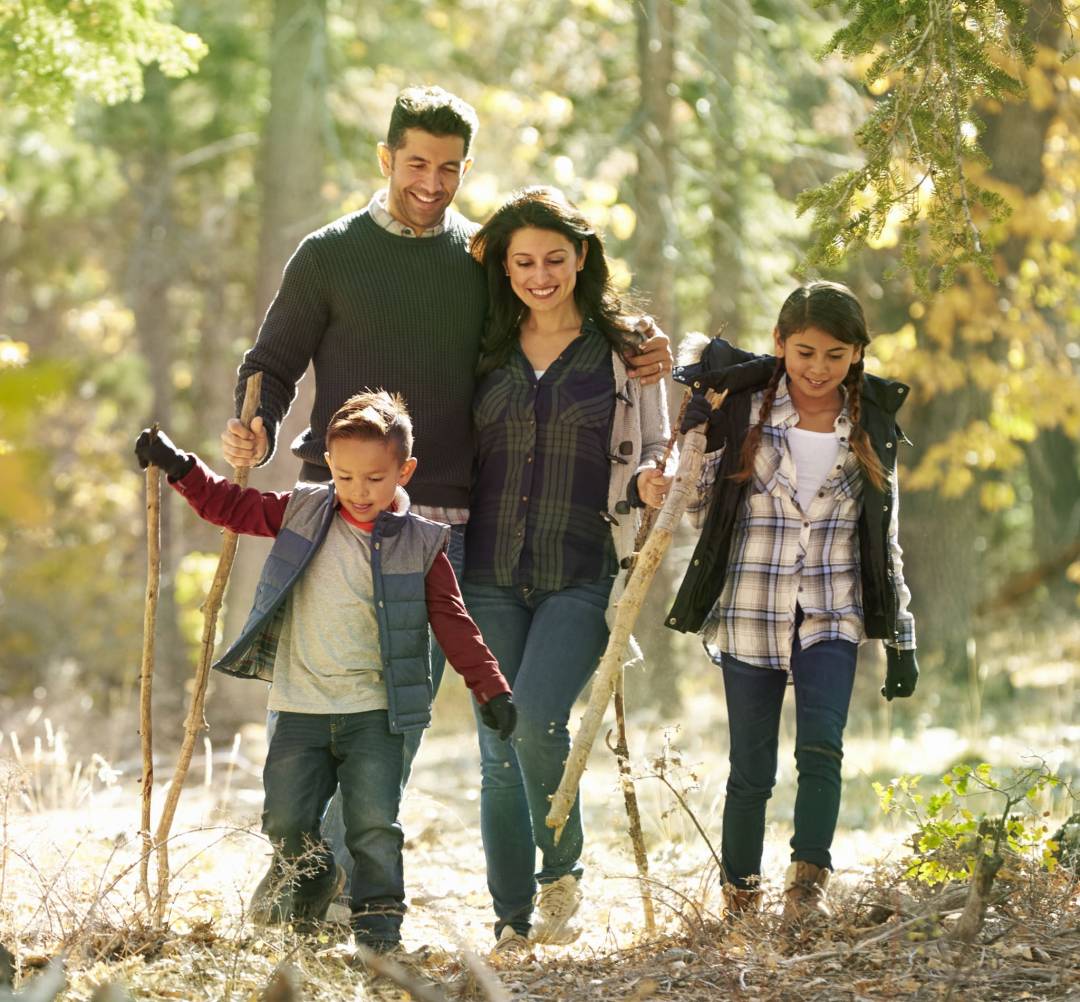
(901, 673)
(698, 411)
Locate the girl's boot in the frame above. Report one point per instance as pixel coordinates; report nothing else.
(805, 890)
(741, 900)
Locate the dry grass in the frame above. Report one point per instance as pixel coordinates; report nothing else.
(70, 860)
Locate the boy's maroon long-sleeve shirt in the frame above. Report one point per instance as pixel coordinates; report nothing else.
(251, 512)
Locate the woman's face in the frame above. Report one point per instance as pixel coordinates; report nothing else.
(542, 266)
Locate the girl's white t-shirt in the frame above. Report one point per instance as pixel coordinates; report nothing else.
(814, 453)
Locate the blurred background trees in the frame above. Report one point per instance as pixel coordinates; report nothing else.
(159, 163)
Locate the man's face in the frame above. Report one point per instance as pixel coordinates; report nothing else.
(424, 173)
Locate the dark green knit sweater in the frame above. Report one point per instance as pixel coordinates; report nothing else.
(376, 310)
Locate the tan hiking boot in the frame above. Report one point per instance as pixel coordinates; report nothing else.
(556, 905)
(805, 890)
(741, 900)
(511, 947)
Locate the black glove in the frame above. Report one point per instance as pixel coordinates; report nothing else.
(901, 675)
(698, 411)
(159, 450)
(500, 714)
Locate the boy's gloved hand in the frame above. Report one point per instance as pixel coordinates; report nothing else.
(698, 411)
(159, 450)
(500, 714)
(901, 675)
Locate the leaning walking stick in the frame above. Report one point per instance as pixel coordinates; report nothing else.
(195, 720)
(146, 670)
(625, 616)
(621, 750)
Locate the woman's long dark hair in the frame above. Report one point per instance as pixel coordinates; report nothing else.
(832, 308)
(544, 208)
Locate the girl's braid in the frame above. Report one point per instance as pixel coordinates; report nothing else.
(753, 436)
(860, 440)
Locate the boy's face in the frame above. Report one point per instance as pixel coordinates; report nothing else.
(366, 474)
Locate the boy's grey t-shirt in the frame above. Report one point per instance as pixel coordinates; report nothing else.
(328, 656)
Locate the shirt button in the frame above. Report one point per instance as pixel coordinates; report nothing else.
(528, 459)
(524, 497)
(884, 507)
(806, 525)
(888, 445)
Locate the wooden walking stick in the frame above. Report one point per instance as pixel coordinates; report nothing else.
(621, 748)
(625, 616)
(146, 670)
(195, 720)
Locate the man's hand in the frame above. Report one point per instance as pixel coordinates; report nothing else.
(901, 674)
(242, 446)
(159, 450)
(652, 487)
(500, 714)
(654, 356)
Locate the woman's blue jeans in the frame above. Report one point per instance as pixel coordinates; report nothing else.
(548, 644)
(822, 676)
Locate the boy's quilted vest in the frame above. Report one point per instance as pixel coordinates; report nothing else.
(403, 548)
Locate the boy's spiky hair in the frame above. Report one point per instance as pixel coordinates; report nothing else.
(374, 415)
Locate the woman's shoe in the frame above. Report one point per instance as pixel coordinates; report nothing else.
(556, 905)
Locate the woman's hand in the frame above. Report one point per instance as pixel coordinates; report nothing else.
(652, 487)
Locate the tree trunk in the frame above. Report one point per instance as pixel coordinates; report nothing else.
(652, 251)
(291, 163)
(152, 268)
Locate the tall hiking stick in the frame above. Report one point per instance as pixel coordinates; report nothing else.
(195, 721)
(146, 670)
(648, 560)
(621, 749)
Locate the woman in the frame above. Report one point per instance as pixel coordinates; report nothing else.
(566, 447)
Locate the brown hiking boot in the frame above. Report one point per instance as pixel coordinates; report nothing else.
(741, 900)
(805, 889)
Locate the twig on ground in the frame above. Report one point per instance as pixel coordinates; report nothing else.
(389, 968)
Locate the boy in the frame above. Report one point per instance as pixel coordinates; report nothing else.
(339, 628)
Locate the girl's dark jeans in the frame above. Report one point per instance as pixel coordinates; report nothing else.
(822, 677)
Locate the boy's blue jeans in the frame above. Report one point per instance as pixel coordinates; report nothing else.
(310, 755)
(548, 644)
(334, 822)
(822, 676)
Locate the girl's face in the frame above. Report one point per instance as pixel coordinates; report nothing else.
(816, 363)
(542, 266)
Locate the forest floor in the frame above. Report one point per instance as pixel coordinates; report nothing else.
(70, 859)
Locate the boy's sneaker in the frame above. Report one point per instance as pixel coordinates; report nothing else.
(556, 905)
(511, 946)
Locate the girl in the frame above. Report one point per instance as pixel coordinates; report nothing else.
(565, 444)
(797, 563)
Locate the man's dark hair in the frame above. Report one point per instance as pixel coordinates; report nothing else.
(434, 110)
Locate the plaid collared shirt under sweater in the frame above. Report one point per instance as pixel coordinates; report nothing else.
(783, 557)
